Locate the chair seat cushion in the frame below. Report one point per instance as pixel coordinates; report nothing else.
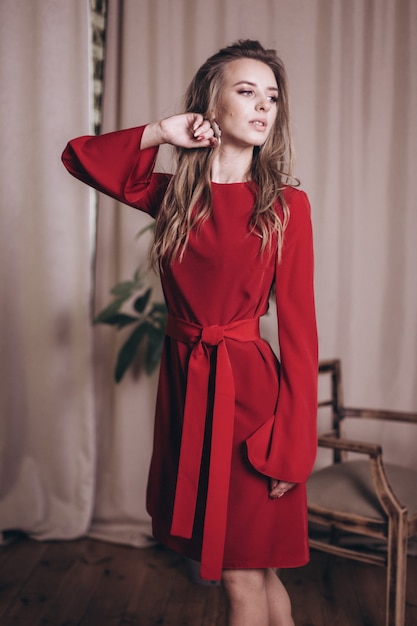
(348, 487)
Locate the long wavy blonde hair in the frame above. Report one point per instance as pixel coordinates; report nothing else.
(187, 202)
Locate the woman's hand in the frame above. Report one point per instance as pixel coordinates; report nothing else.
(187, 130)
(279, 488)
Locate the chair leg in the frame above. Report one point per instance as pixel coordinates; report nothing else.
(396, 571)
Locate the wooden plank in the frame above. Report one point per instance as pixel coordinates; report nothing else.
(149, 596)
(369, 586)
(308, 607)
(118, 570)
(17, 562)
(189, 604)
(321, 593)
(47, 582)
(166, 595)
(71, 599)
(92, 583)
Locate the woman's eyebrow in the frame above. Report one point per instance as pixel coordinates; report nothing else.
(248, 82)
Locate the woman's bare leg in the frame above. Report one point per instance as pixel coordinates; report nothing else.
(247, 599)
(279, 603)
(256, 596)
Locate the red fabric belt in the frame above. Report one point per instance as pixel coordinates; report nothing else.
(195, 410)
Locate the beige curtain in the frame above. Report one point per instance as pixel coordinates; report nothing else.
(353, 79)
(47, 434)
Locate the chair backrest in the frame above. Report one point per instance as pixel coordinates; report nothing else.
(331, 395)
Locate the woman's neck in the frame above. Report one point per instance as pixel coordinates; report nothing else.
(231, 166)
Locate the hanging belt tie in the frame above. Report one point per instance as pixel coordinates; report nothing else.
(195, 409)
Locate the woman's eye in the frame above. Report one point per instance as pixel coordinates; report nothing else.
(250, 92)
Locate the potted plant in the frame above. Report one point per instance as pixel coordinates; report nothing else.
(133, 305)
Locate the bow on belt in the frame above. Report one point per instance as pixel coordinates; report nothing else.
(195, 410)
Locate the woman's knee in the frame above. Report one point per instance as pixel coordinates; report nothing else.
(243, 582)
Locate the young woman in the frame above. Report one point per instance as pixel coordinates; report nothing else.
(235, 428)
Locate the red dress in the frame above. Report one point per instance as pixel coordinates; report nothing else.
(228, 414)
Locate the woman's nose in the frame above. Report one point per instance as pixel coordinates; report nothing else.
(263, 105)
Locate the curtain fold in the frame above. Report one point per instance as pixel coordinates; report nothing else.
(124, 411)
(74, 447)
(47, 457)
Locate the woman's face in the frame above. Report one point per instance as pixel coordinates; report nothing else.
(247, 103)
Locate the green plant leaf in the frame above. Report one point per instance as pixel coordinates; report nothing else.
(158, 316)
(150, 323)
(120, 320)
(158, 307)
(109, 311)
(128, 351)
(140, 303)
(155, 342)
(123, 289)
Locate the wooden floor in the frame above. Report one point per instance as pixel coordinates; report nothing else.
(90, 583)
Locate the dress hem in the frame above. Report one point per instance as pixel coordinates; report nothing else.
(190, 554)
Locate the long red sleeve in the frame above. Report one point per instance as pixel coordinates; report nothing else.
(114, 164)
(285, 446)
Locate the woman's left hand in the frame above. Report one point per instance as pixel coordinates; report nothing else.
(279, 488)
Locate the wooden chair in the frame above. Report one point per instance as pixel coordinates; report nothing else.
(367, 497)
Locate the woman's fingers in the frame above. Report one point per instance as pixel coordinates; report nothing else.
(279, 488)
(188, 130)
(203, 132)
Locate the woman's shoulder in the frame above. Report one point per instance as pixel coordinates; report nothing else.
(297, 201)
(294, 195)
(299, 210)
